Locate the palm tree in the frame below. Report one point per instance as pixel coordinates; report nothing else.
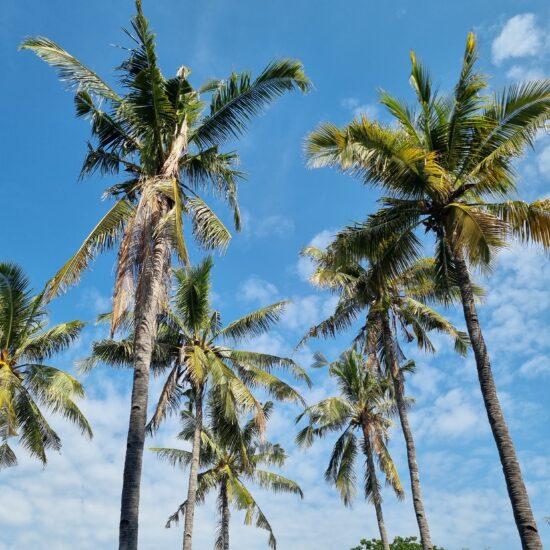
(192, 344)
(157, 132)
(231, 457)
(28, 387)
(448, 168)
(388, 302)
(364, 404)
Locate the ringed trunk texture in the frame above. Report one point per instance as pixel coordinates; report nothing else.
(226, 516)
(193, 476)
(399, 389)
(149, 293)
(523, 514)
(376, 498)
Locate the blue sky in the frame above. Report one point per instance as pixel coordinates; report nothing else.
(349, 51)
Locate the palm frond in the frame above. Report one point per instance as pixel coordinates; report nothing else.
(69, 69)
(103, 237)
(254, 324)
(239, 98)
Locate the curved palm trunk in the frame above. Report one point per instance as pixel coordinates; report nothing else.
(525, 521)
(226, 516)
(376, 498)
(193, 475)
(148, 296)
(399, 389)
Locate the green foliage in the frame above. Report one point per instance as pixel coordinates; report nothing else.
(399, 543)
(364, 405)
(166, 137)
(441, 165)
(232, 457)
(28, 387)
(193, 350)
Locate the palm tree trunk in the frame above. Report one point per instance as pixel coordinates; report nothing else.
(193, 475)
(226, 515)
(148, 295)
(525, 521)
(399, 389)
(376, 498)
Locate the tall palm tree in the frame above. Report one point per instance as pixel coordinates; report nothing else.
(28, 386)
(193, 345)
(156, 131)
(387, 302)
(448, 169)
(364, 405)
(231, 457)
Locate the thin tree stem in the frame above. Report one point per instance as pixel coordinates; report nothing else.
(193, 474)
(399, 390)
(226, 515)
(375, 491)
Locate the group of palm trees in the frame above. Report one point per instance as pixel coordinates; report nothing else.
(446, 171)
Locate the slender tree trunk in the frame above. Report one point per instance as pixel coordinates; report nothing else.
(193, 475)
(399, 389)
(376, 498)
(149, 292)
(226, 516)
(525, 521)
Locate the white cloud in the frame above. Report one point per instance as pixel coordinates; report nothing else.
(95, 301)
(274, 226)
(453, 414)
(536, 367)
(257, 290)
(520, 37)
(304, 266)
(521, 73)
(306, 311)
(369, 110)
(543, 161)
(277, 225)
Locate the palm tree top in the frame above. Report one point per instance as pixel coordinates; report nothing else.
(27, 385)
(233, 455)
(364, 403)
(444, 163)
(194, 348)
(165, 136)
(366, 287)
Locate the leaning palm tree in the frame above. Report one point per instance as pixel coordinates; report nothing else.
(28, 387)
(364, 405)
(448, 168)
(231, 458)
(193, 346)
(156, 131)
(387, 302)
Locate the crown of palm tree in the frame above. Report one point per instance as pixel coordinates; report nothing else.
(192, 346)
(364, 403)
(443, 165)
(162, 134)
(28, 386)
(368, 287)
(232, 457)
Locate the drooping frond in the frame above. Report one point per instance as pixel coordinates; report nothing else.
(256, 323)
(54, 340)
(103, 237)
(237, 99)
(175, 457)
(69, 69)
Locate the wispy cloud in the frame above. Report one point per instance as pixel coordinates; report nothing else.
(519, 37)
